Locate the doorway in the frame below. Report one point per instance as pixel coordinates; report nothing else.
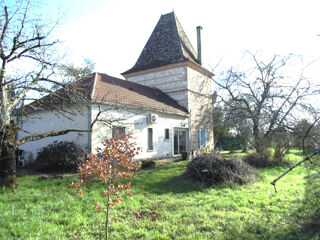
(180, 141)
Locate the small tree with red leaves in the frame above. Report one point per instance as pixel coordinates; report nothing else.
(114, 163)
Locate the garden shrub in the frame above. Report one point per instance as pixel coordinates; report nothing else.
(148, 164)
(259, 160)
(213, 169)
(184, 155)
(59, 157)
(266, 159)
(279, 153)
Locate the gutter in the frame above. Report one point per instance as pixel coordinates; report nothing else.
(123, 106)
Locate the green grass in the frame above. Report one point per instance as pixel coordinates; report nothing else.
(166, 205)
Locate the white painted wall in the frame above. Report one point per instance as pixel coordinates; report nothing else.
(136, 123)
(44, 121)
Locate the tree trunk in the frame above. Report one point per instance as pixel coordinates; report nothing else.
(260, 148)
(107, 214)
(260, 142)
(256, 138)
(287, 146)
(7, 159)
(244, 146)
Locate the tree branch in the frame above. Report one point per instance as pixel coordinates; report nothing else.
(291, 168)
(47, 134)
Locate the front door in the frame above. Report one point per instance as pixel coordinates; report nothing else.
(180, 141)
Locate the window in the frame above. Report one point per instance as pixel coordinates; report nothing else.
(118, 132)
(150, 139)
(166, 134)
(203, 137)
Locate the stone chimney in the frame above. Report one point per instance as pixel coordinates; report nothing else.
(199, 28)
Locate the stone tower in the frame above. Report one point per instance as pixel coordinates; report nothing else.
(168, 62)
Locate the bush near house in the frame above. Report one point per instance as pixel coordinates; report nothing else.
(59, 157)
(213, 169)
(148, 164)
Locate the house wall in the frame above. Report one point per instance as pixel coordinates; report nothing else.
(44, 121)
(190, 87)
(200, 89)
(135, 123)
(172, 80)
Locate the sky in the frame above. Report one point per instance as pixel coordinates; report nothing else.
(113, 33)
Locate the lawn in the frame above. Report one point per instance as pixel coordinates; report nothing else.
(167, 205)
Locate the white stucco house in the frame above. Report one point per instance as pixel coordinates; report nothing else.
(164, 101)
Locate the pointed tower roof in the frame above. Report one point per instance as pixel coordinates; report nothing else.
(167, 44)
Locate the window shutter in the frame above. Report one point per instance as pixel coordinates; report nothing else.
(199, 135)
(205, 137)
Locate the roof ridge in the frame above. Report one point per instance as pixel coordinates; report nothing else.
(182, 32)
(94, 84)
(177, 24)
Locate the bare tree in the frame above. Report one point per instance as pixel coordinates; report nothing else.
(239, 122)
(71, 73)
(220, 125)
(28, 72)
(265, 97)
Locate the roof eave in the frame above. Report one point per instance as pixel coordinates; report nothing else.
(116, 105)
(172, 65)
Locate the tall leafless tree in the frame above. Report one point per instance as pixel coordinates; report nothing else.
(264, 97)
(29, 62)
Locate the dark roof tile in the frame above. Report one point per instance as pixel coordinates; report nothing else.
(167, 44)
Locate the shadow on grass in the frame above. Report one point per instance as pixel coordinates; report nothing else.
(172, 178)
(181, 184)
(309, 213)
(177, 184)
(302, 224)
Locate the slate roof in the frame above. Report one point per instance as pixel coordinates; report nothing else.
(167, 44)
(103, 88)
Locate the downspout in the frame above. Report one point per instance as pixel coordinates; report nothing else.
(89, 129)
(190, 132)
(172, 140)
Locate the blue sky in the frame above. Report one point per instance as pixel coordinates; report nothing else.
(113, 33)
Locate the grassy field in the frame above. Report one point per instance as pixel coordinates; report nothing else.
(167, 205)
